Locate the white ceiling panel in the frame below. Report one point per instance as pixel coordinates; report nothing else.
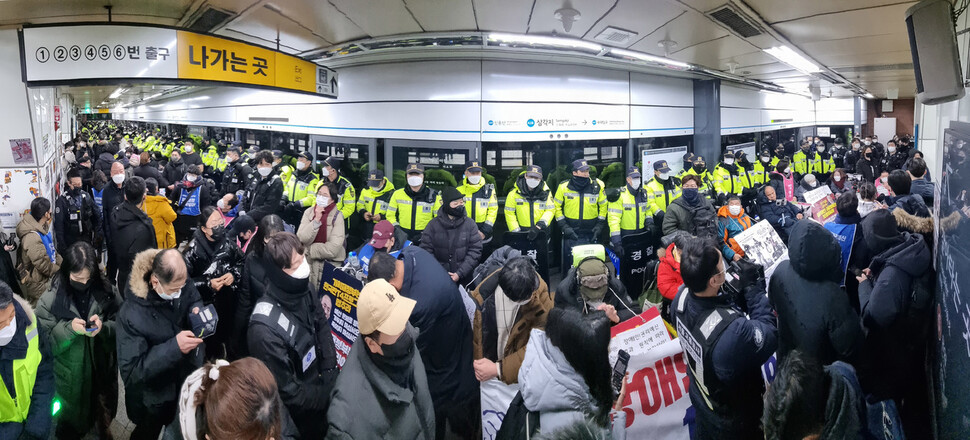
(379, 17)
(58, 11)
(704, 5)
(758, 58)
(322, 18)
(635, 16)
(772, 12)
(503, 15)
(855, 23)
(687, 30)
(263, 23)
(544, 20)
(848, 46)
(434, 16)
(867, 59)
(711, 53)
(765, 68)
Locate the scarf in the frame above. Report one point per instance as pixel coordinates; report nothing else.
(322, 232)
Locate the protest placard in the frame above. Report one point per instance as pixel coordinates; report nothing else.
(657, 403)
(762, 245)
(823, 204)
(338, 295)
(638, 335)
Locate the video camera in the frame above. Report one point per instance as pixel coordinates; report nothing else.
(739, 275)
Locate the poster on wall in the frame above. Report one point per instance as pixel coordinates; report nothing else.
(674, 157)
(749, 148)
(23, 152)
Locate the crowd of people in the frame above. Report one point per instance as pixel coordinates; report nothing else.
(193, 271)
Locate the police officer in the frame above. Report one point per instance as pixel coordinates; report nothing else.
(481, 205)
(779, 154)
(345, 193)
(805, 161)
(724, 349)
(412, 207)
(852, 156)
(238, 173)
(76, 217)
(699, 167)
(895, 158)
(529, 205)
(628, 214)
(761, 168)
(663, 189)
(838, 152)
(826, 161)
(300, 189)
(373, 201)
(727, 178)
(580, 209)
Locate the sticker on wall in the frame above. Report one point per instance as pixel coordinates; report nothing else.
(23, 153)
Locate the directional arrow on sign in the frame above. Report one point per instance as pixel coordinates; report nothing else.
(333, 85)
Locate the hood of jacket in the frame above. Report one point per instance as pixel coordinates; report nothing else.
(28, 224)
(913, 204)
(913, 223)
(140, 269)
(548, 382)
(911, 256)
(845, 408)
(153, 203)
(668, 258)
(814, 253)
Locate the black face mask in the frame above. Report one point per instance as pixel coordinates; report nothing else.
(699, 169)
(458, 212)
(79, 286)
(218, 233)
(396, 360)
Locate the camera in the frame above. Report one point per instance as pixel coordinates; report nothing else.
(205, 322)
(732, 278)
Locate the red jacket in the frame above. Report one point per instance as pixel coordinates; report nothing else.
(668, 275)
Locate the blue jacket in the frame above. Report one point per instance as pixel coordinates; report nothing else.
(781, 217)
(729, 227)
(924, 188)
(912, 204)
(38, 423)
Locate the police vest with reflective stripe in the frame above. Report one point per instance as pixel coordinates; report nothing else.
(698, 341)
(24, 375)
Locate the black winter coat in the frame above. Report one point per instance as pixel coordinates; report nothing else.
(251, 287)
(76, 218)
(445, 333)
(263, 197)
(174, 171)
(151, 364)
(206, 260)
(568, 296)
(149, 170)
(305, 391)
(814, 314)
(869, 169)
(913, 204)
(455, 243)
(891, 341)
(133, 232)
(236, 176)
(111, 197)
(781, 217)
(103, 163)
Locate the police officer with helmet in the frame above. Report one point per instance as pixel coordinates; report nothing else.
(728, 330)
(629, 213)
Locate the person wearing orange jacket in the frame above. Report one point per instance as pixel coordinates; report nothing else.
(731, 221)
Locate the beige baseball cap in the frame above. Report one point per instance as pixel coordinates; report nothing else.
(381, 308)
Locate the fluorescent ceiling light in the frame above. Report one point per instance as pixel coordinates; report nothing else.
(545, 41)
(789, 57)
(649, 58)
(869, 95)
(115, 94)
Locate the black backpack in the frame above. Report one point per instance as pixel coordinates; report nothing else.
(702, 221)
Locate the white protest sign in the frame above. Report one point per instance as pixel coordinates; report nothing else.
(817, 194)
(496, 397)
(762, 245)
(657, 404)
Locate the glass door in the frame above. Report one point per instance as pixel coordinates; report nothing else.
(444, 162)
(357, 156)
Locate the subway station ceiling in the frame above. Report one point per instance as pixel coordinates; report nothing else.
(861, 41)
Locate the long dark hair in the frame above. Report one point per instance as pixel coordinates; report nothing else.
(80, 256)
(269, 225)
(585, 342)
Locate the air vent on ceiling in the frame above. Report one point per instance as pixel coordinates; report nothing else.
(906, 66)
(208, 18)
(615, 36)
(831, 79)
(735, 21)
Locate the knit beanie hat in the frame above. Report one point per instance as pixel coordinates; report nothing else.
(880, 231)
(450, 194)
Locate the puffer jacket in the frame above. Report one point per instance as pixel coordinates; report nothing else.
(206, 260)
(814, 314)
(567, 295)
(669, 279)
(729, 227)
(362, 388)
(254, 282)
(781, 217)
(455, 243)
(318, 253)
(912, 204)
(679, 218)
(531, 315)
(133, 232)
(551, 386)
(84, 367)
(151, 364)
(33, 257)
(159, 209)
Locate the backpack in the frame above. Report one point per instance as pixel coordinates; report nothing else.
(702, 221)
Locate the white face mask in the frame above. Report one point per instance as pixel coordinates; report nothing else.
(635, 184)
(188, 149)
(302, 271)
(766, 158)
(787, 170)
(892, 149)
(734, 209)
(728, 161)
(532, 183)
(884, 179)
(837, 177)
(6, 333)
(300, 166)
(474, 179)
(855, 147)
(325, 172)
(415, 180)
(191, 177)
(820, 148)
(264, 171)
(868, 142)
(221, 204)
(323, 200)
(118, 178)
(169, 297)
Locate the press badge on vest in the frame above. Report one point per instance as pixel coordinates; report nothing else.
(309, 358)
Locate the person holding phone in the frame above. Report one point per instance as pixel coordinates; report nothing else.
(79, 318)
(156, 347)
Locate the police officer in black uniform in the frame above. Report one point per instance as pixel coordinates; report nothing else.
(75, 215)
(238, 173)
(724, 349)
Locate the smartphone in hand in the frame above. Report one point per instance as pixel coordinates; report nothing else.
(619, 371)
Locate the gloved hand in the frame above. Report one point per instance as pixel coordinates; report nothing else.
(569, 233)
(616, 241)
(296, 205)
(541, 225)
(533, 233)
(597, 231)
(486, 229)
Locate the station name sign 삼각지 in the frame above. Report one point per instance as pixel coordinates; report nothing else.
(64, 54)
